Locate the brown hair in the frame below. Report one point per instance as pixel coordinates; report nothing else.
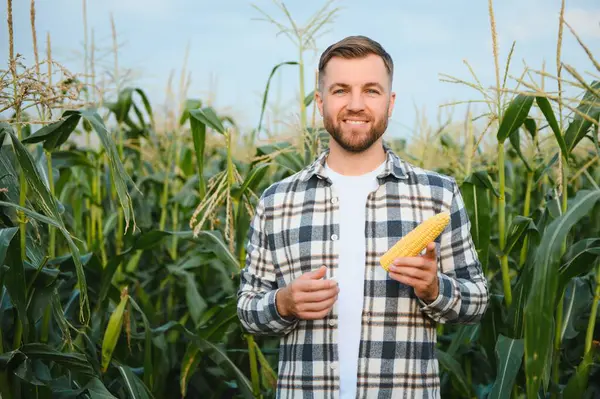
(354, 47)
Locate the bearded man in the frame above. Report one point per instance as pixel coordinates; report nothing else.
(349, 328)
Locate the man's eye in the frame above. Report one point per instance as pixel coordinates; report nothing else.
(372, 91)
(338, 91)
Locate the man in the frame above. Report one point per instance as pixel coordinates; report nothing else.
(348, 328)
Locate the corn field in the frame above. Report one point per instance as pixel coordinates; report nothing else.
(123, 229)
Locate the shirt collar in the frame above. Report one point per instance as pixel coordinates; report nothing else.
(393, 166)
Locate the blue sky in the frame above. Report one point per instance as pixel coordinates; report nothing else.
(233, 53)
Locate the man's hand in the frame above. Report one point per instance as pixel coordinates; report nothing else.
(419, 272)
(308, 297)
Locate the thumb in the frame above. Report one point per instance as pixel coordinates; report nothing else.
(315, 274)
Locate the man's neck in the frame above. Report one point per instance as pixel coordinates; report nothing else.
(355, 164)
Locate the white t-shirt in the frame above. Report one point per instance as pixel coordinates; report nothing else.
(352, 193)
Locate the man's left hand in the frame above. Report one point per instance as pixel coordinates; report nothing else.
(419, 272)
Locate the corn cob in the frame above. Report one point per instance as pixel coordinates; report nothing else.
(416, 240)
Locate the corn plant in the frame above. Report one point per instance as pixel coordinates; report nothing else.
(119, 263)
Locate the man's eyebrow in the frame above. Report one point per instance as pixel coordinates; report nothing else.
(347, 86)
(343, 85)
(369, 84)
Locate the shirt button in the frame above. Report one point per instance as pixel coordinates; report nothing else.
(334, 237)
(334, 200)
(333, 365)
(332, 323)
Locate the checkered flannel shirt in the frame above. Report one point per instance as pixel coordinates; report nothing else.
(296, 229)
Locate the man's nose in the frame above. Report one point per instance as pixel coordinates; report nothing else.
(355, 102)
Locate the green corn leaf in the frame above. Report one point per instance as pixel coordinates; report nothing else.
(148, 368)
(519, 225)
(215, 321)
(266, 94)
(208, 117)
(189, 365)
(492, 325)
(515, 141)
(15, 284)
(522, 287)
(450, 364)
(509, 354)
(69, 159)
(207, 347)
(309, 98)
(123, 106)
(60, 319)
(113, 331)
(76, 363)
(478, 208)
(578, 260)
(212, 240)
(514, 116)
(190, 104)
(97, 390)
(254, 177)
(6, 236)
(195, 303)
(266, 369)
(286, 158)
(119, 177)
(482, 179)
(578, 300)
(221, 358)
(541, 304)
(578, 383)
(531, 127)
(546, 108)
(579, 126)
(84, 303)
(55, 134)
(242, 224)
(132, 384)
(545, 169)
(42, 196)
(198, 129)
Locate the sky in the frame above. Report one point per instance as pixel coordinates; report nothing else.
(232, 53)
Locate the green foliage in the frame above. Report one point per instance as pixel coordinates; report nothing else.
(106, 311)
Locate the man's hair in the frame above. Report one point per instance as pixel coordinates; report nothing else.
(353, 47)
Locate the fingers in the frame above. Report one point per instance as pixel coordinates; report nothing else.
(314, 285)
(310, 296)
(428, 260)
(314, 305)
(404, 279)
(315, 274)
(412, 272)
(317, 296)
(317, 306)
(430, 251)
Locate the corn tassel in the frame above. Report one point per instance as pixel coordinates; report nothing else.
(416, 240)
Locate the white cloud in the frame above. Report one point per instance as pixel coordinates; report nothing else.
(586, 23)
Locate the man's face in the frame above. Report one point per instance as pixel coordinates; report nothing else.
(356, 101)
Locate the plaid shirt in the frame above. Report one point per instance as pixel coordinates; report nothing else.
(296, 229)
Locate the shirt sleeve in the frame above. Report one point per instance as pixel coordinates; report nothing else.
(256, 306)
(463, 290)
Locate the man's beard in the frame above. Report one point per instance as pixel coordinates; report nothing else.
(348, 141)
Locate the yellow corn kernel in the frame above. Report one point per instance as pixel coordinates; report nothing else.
(416, 240)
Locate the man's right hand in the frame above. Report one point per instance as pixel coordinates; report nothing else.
(308, 297)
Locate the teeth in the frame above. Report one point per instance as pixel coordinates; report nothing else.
(356, 122)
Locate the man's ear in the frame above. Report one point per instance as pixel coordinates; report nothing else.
(392, 102)
(319, 101)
